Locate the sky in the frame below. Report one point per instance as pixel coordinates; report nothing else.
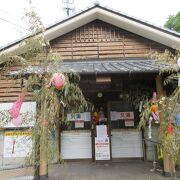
(11, 12)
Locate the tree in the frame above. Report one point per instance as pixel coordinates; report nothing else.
(167, 105)
(50, 100)
(173, 22)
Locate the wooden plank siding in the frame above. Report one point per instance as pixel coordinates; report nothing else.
(96, 40)
(10, 89)
(99, 40)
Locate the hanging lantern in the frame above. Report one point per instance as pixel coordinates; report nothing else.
(17, 121)
(15, 110)
(58, 80)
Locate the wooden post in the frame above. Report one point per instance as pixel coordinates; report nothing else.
(161, 93)
(43, 169)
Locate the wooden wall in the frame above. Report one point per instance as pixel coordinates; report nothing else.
(98, 40)
(10, 89)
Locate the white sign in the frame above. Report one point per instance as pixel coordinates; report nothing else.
(129, 123)
(17, 143)
(86, 116)
(114, 115)
(79, 124)
(102, 148)
(101, 131)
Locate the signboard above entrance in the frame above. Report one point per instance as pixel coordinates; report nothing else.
(114, 115)
(86, 116)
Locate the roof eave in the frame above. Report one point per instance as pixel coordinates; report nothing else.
(122, 21)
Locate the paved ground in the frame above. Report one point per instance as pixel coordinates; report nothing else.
(90, 171)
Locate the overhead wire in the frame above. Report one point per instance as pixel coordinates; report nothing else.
(7, 21)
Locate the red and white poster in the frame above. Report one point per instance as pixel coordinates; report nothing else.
(102, 148)
(126, 115)
(114, 115)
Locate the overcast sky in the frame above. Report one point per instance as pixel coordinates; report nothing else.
(153, 11)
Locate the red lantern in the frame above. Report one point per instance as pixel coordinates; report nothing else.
(58, 80)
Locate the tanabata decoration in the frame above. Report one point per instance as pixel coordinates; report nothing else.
(149, 128)
(57, 80)
(154, 98)
(45, 123)
(178, 119)
(95, 117)
(154, 113)
(154, 109)
(153, 116)
(170, 128)
(17, 121)
(15, 110)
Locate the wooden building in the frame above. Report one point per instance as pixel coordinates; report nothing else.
(109, 50)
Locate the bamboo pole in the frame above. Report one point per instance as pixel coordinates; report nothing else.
(43, 169)
(166, 160)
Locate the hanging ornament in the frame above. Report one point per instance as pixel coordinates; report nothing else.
(17, 121)
(178, 119)
(58, 80)
(166, 116)
(140, 106)
(149, 128)
(15, 110)
(170, 128)
(95, 117)
(45, 123)
(154, 98)
(154, 113)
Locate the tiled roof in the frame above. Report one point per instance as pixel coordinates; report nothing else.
(112, 66)
(101, 67)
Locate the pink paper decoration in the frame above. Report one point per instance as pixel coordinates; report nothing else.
(154, 99)
(17, 121)
(155, 116)
(14, 111)
(58, 80)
